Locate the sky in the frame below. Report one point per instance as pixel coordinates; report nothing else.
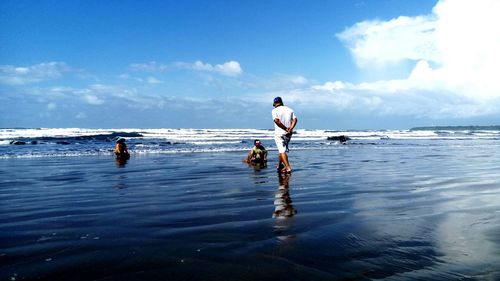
(340, 64)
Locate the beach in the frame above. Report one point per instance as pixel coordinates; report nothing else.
(128, 130)
(352, 212)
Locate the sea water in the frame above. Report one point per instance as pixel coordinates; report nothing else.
(393, 205)
(41, 142)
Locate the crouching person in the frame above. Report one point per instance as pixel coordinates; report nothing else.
(257, 155)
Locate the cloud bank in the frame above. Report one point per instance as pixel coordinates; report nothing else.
(22, 75)
(455, 55)
(230, 68)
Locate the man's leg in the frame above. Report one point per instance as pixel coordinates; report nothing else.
(279, 145)
(282, 144)
(286, 141)
(280, 161)
(284, 158)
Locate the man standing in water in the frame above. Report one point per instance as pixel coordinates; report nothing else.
(284, 122)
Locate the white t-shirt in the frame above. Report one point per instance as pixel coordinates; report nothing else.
(285, 115)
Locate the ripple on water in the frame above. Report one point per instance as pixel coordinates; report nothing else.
(359, 214)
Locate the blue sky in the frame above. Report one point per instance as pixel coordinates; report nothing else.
(218, 64)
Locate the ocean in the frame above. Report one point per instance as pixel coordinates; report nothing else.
(387, 205)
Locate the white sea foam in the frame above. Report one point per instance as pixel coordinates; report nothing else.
(151, 141)
(50, 132)
(186, 150)
(236, 135)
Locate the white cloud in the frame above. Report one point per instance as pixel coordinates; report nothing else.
(153, 80)
(396, 97)
(330, 86)
(296, 80)
(93, 100)
(455, 51)
(230, 68)
(81, 115)
(100, 94)
(15, 75)
(276, 82)
(198, 65)
(376, 43)
(152, 66)
(51, 106)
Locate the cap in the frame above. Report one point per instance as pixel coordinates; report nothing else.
(278, 100)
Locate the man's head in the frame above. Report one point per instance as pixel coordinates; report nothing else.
(277, 101)
(257, 143)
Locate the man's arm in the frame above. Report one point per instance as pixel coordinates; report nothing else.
(294, 122)
(278, 122)
(249, 156)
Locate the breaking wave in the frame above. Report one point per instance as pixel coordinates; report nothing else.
(41, 142)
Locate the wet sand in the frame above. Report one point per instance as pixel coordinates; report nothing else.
(349, 213)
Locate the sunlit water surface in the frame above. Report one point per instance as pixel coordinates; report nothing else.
(421, 210)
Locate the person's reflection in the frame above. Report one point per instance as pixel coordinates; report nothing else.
(121, 182)
(283, 207)
(257, 166)
(121, 162)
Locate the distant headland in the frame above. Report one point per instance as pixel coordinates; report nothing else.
(457, 128)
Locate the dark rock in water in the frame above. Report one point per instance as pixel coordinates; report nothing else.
(129, 135)
(14, 142)
(63, 142)
(115, 135)
(34, 142)
(101, 137)
(342, 139)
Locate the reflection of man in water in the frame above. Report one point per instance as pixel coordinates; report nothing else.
(283, 207)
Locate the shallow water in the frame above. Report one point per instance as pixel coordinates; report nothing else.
(409, 211)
